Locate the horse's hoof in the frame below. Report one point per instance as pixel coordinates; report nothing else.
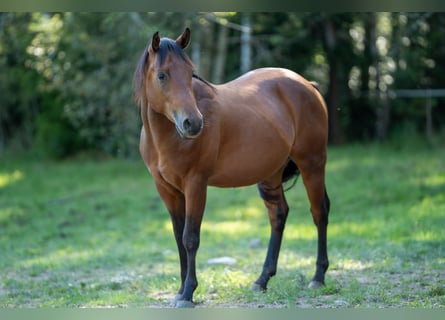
(184, 304)
(257, 287)
(175, 300)
(315, 284)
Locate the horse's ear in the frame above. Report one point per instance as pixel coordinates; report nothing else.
(155, 41)
(184, 39)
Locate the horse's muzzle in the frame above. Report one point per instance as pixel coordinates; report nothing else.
(189, 127)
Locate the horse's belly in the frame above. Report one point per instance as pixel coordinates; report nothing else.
(247, 168)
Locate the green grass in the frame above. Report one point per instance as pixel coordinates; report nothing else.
(86, 233)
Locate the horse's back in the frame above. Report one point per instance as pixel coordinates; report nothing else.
(263, 76)
(277, 86)
(278, 93)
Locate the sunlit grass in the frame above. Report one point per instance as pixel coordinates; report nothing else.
(8, 178)
(356, 265)
(8, 214)
(61, 257)
(227, 228)
(434, 180)
(303, 231)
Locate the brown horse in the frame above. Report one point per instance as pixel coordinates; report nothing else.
(263, 128)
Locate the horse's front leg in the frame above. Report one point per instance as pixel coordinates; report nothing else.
(195, 198)
(174, 201)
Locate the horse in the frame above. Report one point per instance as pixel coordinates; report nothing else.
(263, 128)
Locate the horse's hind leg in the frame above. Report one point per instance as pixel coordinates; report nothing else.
(275, 202)
(322, 255)
(314, 182)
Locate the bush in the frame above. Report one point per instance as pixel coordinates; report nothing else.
(56, 137)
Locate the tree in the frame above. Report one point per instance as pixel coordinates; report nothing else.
(19, 102)
(87, 62)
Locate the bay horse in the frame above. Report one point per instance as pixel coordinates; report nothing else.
(261, 128)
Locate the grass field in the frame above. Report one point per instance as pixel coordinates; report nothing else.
(84, 233)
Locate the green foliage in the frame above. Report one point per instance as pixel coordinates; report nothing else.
(89, 64)
(90, 234)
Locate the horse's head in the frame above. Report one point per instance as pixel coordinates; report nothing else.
(163, 82)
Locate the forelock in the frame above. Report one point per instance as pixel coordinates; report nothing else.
(169, 46)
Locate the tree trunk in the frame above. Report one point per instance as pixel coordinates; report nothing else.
(196, 50)
(245, 63)
(382, 109)
(206, 50)
(333, 99)
(382, 117)
(221, 53)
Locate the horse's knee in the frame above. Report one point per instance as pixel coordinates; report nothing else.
(190, 241)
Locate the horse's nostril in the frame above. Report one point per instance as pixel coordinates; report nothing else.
(191, 127)
(187, 124)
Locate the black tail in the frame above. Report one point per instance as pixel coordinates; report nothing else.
(291, 171)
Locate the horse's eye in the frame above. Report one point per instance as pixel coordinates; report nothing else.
(162, 76)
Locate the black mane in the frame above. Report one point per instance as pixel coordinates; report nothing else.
(139, 79)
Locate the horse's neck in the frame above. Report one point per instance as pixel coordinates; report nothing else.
(156, 125)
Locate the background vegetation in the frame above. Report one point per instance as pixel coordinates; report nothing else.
(66, 78)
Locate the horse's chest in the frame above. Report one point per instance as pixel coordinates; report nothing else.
(171, 171)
